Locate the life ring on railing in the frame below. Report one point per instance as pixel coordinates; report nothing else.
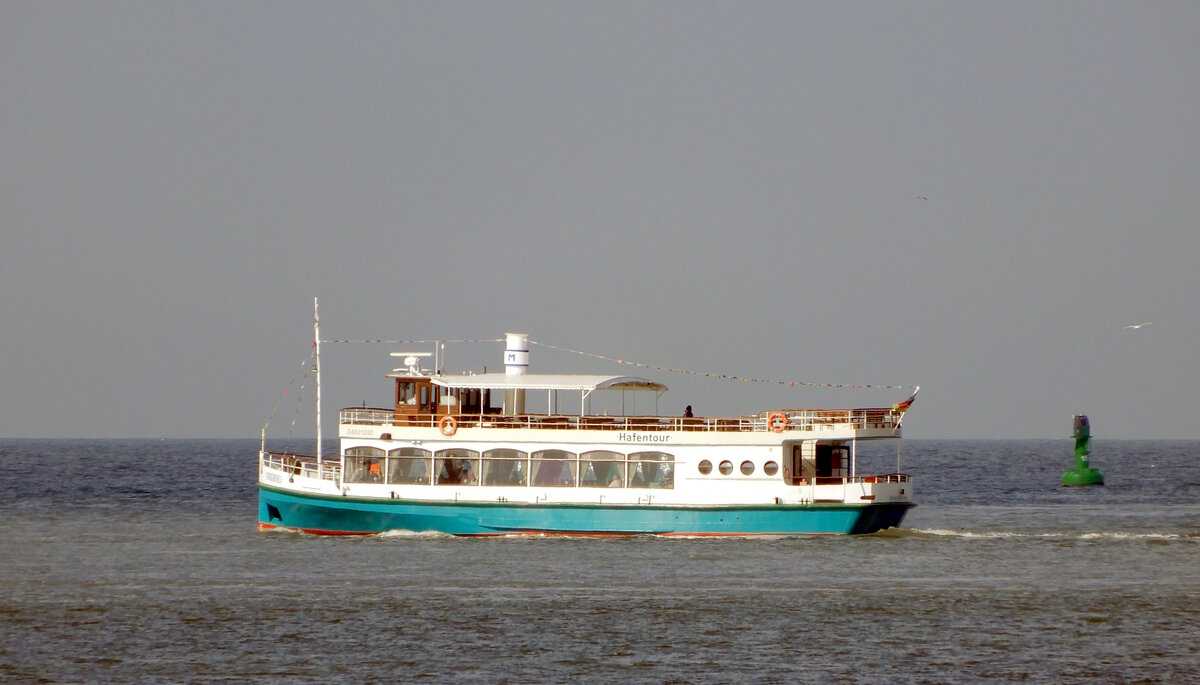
(777, 421)
(448, 425)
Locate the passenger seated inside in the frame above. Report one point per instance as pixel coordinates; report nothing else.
(638, 479)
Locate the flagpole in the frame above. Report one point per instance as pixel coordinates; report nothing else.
(899, 422)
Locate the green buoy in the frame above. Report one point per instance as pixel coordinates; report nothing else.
(1082, 474)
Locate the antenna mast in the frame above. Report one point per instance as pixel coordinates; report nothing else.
(317, 370)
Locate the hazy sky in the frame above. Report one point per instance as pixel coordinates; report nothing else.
(973, 197)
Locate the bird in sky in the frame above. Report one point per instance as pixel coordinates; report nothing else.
(1136, 326)
(921, 197)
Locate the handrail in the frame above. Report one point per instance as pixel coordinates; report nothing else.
(851, 480)
(802, 420)
(304, 465)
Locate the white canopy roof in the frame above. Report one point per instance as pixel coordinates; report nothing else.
(534, 381)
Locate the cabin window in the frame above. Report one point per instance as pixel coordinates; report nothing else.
(553, 468)
(747, 468)
(406, 393)
(456, 467)
(705, 467)
(601, 469)
(651, 470)
(505, 467)
(771, 468)
(726, 467)
(364, 465)
(410, 466)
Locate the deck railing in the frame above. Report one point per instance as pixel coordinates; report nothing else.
(848, 480)
(803, 420)
(303, 465)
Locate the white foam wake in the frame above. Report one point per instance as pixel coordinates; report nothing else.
(1080, 535)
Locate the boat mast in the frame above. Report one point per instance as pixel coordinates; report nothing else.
(317, 370)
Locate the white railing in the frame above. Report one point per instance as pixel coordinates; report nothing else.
(801, 420)
(303, 465)
(850, 480)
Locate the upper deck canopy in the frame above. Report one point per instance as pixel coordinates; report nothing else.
(582, 383)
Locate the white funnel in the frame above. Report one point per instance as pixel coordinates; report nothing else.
(516, 363)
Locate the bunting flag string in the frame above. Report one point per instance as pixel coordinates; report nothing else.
(655, 367)
(304, 364)
(726, 376)
(413, 342)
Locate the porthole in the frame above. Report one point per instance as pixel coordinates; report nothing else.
(770, 468)
(705, 467)
(747, 468)
(726, 467)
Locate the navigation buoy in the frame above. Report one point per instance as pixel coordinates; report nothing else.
(1083, 473)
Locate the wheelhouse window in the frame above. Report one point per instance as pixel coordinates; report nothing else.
(553, 468)
(364, 465)
(651, 470)
(505, 467)
(406, 393)
(601, 469)
(410, 466)
(456, 467)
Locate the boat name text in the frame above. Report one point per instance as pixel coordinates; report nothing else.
(643, 437)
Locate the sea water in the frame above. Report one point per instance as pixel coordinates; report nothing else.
(140, 560)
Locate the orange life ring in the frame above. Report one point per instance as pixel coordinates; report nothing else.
(448, 425)
(777, 421)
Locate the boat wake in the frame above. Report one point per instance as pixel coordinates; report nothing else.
(413, 534)
(934, 533)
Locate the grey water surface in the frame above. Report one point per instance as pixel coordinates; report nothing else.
(140, 561)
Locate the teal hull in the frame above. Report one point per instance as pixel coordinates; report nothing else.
(350, 516)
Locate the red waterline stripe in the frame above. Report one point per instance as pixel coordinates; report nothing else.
(317, 531)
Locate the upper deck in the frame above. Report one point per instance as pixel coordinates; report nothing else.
(864, 423)
(582, 403)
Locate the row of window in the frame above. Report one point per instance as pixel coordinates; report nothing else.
(507, 467)
(726, 467)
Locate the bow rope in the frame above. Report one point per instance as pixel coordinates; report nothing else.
(304, 364)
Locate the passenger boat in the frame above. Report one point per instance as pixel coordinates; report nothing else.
(464, 454)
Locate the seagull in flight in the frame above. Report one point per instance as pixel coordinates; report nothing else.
(920, 197)
(1136, 326)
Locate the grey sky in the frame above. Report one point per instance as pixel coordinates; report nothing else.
(733, 187)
